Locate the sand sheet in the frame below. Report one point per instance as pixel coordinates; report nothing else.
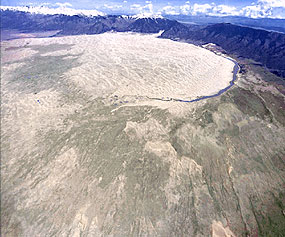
(128, 64)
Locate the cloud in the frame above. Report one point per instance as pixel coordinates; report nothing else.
(148, 8)
(201, 8)
(170, 10)
(65, 4)
(136, 7)
(265, 8)
(186, 8)
(272, 3)
(112, 7)
(57, 9)
(145, 11)
(258, 9)
(214, 10)
(225, 10)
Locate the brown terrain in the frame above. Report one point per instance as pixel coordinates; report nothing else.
(83, 155)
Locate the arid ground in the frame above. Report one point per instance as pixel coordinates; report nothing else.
(86, 150)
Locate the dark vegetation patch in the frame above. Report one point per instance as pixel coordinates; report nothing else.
(247, 102)
(267, 75)
(276, 104)
(43, 72)
(278, 159)
(51, 48)
(270, 217)
(205, 118)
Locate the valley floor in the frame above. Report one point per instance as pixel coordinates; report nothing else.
(86, 152)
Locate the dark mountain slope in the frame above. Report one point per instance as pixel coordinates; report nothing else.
(257, 23)
(78, 24)
(152, 25)
(68, 25)
(262, 46)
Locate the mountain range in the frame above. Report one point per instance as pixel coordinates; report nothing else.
(269, 24)
(263, 46)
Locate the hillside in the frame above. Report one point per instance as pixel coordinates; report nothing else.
(262, 46)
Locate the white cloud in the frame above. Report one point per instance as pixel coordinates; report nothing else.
(273, 3)
(186, 8)
(147, 9)
(170, 10)
(112, 7)
(62, 9)
(201, 8)
(258, 9)
(225, 10)
(136, 7)
(66, 4)
(253, 11)
(265, 8)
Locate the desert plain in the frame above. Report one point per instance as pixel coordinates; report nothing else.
(89, 149)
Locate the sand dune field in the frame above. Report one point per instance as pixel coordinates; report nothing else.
(128, 64)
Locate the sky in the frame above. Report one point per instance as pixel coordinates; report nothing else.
(248, 8)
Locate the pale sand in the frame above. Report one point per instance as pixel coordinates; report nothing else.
(133, 64)
(128, 64)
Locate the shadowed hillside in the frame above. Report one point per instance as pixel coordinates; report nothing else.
(262, 46)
